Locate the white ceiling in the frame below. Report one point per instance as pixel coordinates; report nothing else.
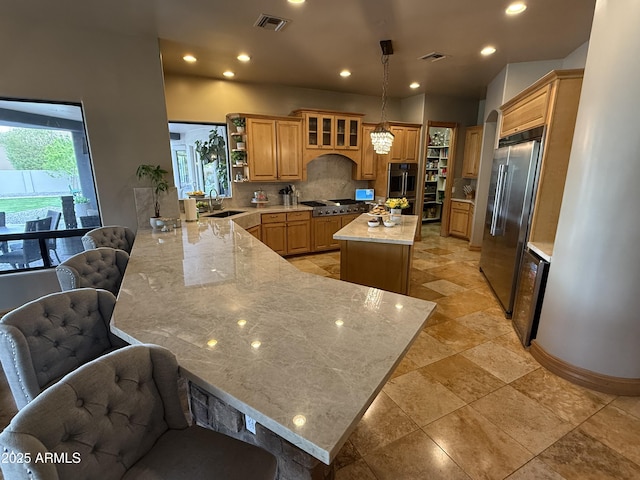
(326, 36)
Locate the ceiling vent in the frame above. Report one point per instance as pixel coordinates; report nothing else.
(433, 56)
(269, 22)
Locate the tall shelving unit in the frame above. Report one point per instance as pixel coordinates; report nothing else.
(435, 181)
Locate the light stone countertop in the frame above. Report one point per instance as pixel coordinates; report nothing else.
(402, 233)
(543, 249)
(209, 291)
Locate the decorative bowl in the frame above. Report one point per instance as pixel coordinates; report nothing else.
(373, 223)
(389, 223)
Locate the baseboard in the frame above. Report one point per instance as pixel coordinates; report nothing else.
(475, 248)
(583, 377)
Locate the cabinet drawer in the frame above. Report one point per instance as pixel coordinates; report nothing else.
(293, 216)
(530, 112)
(274, 217)
(466, 206)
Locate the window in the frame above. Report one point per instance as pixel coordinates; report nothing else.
(200, 157)
(46, 183)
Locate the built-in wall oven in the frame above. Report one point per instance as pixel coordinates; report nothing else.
(402, 181)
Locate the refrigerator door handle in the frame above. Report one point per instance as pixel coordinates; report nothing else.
(497, 204)
(404, 183)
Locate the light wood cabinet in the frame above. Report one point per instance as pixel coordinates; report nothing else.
(287, 233)
(298, 232)
(323, 230)
(274, 148)
(405, 143)
(366, 169)
(255, 231)
(347, 219)
(472, 151)
(551, 101)
(459, 219)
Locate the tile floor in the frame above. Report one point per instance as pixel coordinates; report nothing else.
(467, 401)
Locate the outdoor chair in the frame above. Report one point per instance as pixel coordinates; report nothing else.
(101, 267)
(120, 417)
(45, 339)
(113, 236)
(3, 221)
(29, 250)
(90, 221)
(52, 243)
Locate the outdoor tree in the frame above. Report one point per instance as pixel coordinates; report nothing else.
(40, 149)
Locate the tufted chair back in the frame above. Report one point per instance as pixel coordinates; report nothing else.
(45, 339)
(101, 267)
(104, 417)
(113, 236)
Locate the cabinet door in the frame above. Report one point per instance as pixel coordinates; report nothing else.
(323, 230)
(274, 236)
(411, 141)
(347, 133)
(472, 146)
(298, 237)
(459, 220)
(397, 153)
(347, 219)
(261, 149)
(366, 169)
(527, 113)
(289, 150)
(255, 231)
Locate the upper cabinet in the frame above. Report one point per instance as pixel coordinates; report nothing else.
(274, 148)
(472, 150)
(553, 102)
(366, 169)
(405, 143)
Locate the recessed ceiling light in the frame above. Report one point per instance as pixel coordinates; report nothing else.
(243, 57)
(228, 74)
(189, 58)
(414, 85)
(296, 1)
(516, 8)
(345, 73)
(488, 51)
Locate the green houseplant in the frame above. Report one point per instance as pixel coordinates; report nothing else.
(211, 149)
(155, 176)
(239, 123)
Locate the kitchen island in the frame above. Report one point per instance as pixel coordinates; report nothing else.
(303, 355)
(378, 256)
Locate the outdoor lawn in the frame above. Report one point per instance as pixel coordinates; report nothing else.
(20, 204)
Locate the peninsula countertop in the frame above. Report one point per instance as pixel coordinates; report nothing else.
(273, 342)
(403, 233)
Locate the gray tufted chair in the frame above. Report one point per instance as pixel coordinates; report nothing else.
(45, 339)
(113, 236)
(120, 417)
(101, 267)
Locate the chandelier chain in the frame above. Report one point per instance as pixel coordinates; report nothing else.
(385, 81)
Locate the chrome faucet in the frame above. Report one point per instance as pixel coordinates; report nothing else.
(218, 199)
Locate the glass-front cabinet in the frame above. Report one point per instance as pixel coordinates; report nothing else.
(347, 133)
(320, 131)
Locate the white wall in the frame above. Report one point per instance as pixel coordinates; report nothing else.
(117, 78)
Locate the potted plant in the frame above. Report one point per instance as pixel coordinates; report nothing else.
(155, 176)
(239, 123)
(396, 205)
(238, 157)
(81, 204)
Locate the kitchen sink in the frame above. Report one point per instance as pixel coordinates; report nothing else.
(224, 213)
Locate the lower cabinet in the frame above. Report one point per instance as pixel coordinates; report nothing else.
(287, 233)
(255, 231)
(460, 219)
(323, 230)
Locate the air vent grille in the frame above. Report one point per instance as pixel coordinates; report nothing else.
(269, 22)
(433, 56)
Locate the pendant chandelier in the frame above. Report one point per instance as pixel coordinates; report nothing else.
(381, 137)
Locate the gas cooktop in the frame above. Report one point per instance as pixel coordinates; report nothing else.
(343, 206)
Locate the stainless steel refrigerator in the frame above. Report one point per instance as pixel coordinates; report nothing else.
(509, 211)
(402, 181)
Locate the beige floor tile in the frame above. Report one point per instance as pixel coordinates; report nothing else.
(382, 423)
(346, 456)
(418, 277)
(511, 342)
(414, 457)
(439, 251)
(421, 397)
(455, 335)
(535, 470)
(570, 402)
(358, 470)
(481, 449)
(428, 264)
(628, 404)
(426, 350)
(405, 366)
(577, 456)
(464, 303)
(617, 429)
(463, 377)
(436, 318)
(486, 323)
(424, 293)
(529, 423)
(500, 362)
(444, 287)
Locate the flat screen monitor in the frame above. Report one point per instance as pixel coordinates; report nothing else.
(364, 194)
